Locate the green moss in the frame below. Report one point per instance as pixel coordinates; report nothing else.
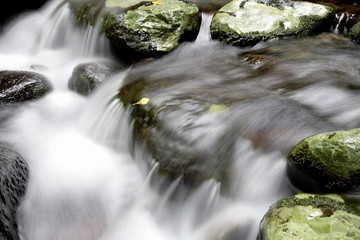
(329, 157)
(323, 202)
(307, 217)
(165, 23)
(354, 33)
(245, 22)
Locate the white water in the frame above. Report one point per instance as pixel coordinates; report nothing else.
(84, 184)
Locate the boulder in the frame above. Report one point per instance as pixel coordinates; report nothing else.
(308, 217)
(326, 162)
(18, 86)
(190, 113)
(141, 29)
(87, 76)
(13, 178)
(243, 22)
(354, 33)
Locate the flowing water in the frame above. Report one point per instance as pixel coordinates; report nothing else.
(89, 181)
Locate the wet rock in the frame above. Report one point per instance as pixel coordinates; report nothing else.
(209, 5)
(347, 13)
(87, 11)
(13, 178)
(354, 33)
(308, 217)
(141, 29)
(244, 22)
(351, 7)
(87, 76)
(18, 86)
(326, 162)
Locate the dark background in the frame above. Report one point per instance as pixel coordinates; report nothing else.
(10, 8)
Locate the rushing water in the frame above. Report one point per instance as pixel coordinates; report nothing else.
(87, 183)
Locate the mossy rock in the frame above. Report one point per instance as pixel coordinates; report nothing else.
(87, 76)
(19, 86)
(354, 33)
(13, 179)
(243, 22)
(326, 162)
(141, 29)
(308, 217)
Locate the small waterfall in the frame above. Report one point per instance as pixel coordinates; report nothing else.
(61, 31)
(110, 122)
(204, 33)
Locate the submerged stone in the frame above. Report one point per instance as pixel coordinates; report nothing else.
(13, 178)
(308, 217)
(87, 76)
(18, 86)
(326, 162)
(244, 22)
(190, 113)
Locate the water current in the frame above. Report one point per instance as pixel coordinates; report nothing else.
(89, 181)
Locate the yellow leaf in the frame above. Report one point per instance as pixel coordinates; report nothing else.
(218, 108)
(142, 101)
(157, 2)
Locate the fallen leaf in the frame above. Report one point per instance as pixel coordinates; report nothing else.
(142, 101)
(218, 108)
(157, 2)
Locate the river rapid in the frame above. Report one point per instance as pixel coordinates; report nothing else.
(89, 181)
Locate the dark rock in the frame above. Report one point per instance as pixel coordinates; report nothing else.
(87, 76)
(192, 120)
(13, 178)
(18, 86)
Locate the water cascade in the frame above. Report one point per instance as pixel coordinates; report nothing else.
(88, 180)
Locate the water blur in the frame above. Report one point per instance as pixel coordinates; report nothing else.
(88, 180)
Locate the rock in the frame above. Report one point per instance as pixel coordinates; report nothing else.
(18, 86)
(308, 217)
(354, 33)
(193, 119)
(87, 76)
(326, 162)
(141, 29)
(87, 12)
(152, 30)
(210, 6)
(243, 23)
(13, 178)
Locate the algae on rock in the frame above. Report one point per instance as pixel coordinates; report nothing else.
(310, 216)
(326, 161)
(244, 22)
(141, 29)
